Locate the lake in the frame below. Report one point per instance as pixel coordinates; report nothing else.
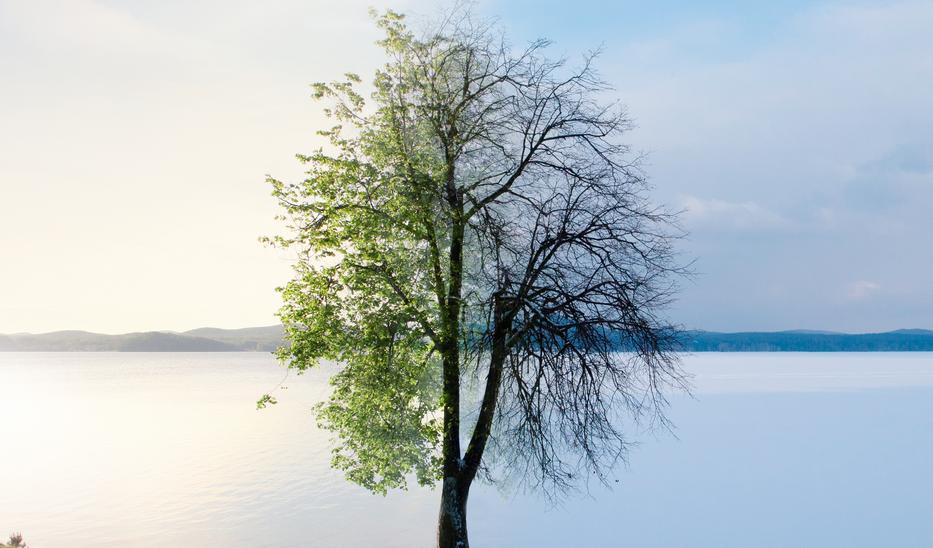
(164, 449)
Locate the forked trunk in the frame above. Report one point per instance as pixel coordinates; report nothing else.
(452, 524)
(459, 473)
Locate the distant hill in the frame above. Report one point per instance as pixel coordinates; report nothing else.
(913, 332)
(206, 339)
(267, 339)
(904, 340)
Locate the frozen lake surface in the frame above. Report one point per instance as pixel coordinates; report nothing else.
(155, 450)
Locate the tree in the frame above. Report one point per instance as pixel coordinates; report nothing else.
(477, 247)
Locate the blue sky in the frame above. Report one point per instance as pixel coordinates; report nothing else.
(797, 136)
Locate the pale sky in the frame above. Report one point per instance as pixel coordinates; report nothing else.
(135, 136)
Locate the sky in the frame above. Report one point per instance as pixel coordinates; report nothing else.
(135, 137)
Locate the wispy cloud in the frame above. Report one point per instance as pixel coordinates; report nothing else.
(724, 214)
(861, 289)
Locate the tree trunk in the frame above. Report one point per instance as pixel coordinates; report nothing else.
(459, 473)
(452, 524)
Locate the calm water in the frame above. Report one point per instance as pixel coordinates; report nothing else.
(155, 450)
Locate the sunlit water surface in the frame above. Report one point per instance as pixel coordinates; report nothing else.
(155, 450)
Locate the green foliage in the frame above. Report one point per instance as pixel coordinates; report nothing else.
(383, 407)
(265, 401)
(366, 222)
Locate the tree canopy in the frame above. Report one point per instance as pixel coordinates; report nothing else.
(477, 246)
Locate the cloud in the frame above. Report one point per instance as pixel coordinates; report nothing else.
(861, 289)
(723, 214)
(908, 158)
